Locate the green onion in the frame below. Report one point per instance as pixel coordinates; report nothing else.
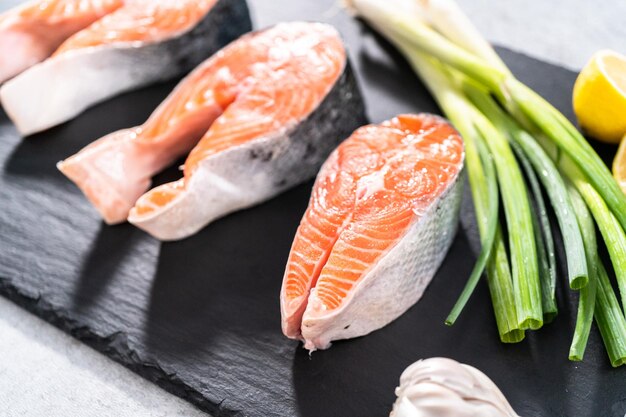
(501, 292)
(544, 241)
(611, 231)
(449, 20)
(543, 235)
(610, 320)
(587, 297)
(525, 269)
(550, 179)
(559, 130)
(498, 268)
(412, 31)
(489, 224)
(560, 200)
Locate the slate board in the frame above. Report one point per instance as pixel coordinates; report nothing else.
(201, 317)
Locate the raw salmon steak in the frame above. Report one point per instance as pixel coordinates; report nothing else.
(382, 215)
(263, 115)
(140, 43)
(31, 32)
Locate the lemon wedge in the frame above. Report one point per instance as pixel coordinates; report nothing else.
(599, 96)
(619, 164)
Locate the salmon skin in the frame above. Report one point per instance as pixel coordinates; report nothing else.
(125, 50)
(382, 215)
(259, 117)
(31, 32)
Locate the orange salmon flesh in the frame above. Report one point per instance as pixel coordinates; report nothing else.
(368, 193)
(253, 81)
(140, 21)
(30, 33)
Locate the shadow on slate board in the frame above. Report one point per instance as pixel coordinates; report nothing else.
(201, 317)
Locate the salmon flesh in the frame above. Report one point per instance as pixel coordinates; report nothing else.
(259, 117)
(140, 43)
(31, 32)
(382, 215)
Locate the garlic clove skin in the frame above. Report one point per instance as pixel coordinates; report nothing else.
(441, 387)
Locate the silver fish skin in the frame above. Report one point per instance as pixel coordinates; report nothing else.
(63, 86)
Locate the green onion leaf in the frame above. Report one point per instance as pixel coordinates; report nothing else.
(488, 232)
(610, 319)
(612, 233)
(587, 296)
(550, 179)
(543, 237)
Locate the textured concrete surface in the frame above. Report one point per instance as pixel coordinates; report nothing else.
(565, 32)
(45, 372)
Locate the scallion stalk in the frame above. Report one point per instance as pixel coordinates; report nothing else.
(548, 174)
(561, 132)
(447, 18)
(523, 251)
(501, 292)
(610, 319)
(544, 240)
(498, 268)
(488, 231)
(550, 179)
(413, 31)
(612, 233)
(587, 296)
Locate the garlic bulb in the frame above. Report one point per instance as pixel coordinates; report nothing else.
(441, 387)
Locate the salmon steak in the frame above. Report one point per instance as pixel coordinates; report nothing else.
(31, 32)
(383, 213)
(259, 117)
(139, 43)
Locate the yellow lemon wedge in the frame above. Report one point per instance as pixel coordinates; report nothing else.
(619, 164)
(599, 97)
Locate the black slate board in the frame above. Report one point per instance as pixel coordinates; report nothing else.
(201, 317)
